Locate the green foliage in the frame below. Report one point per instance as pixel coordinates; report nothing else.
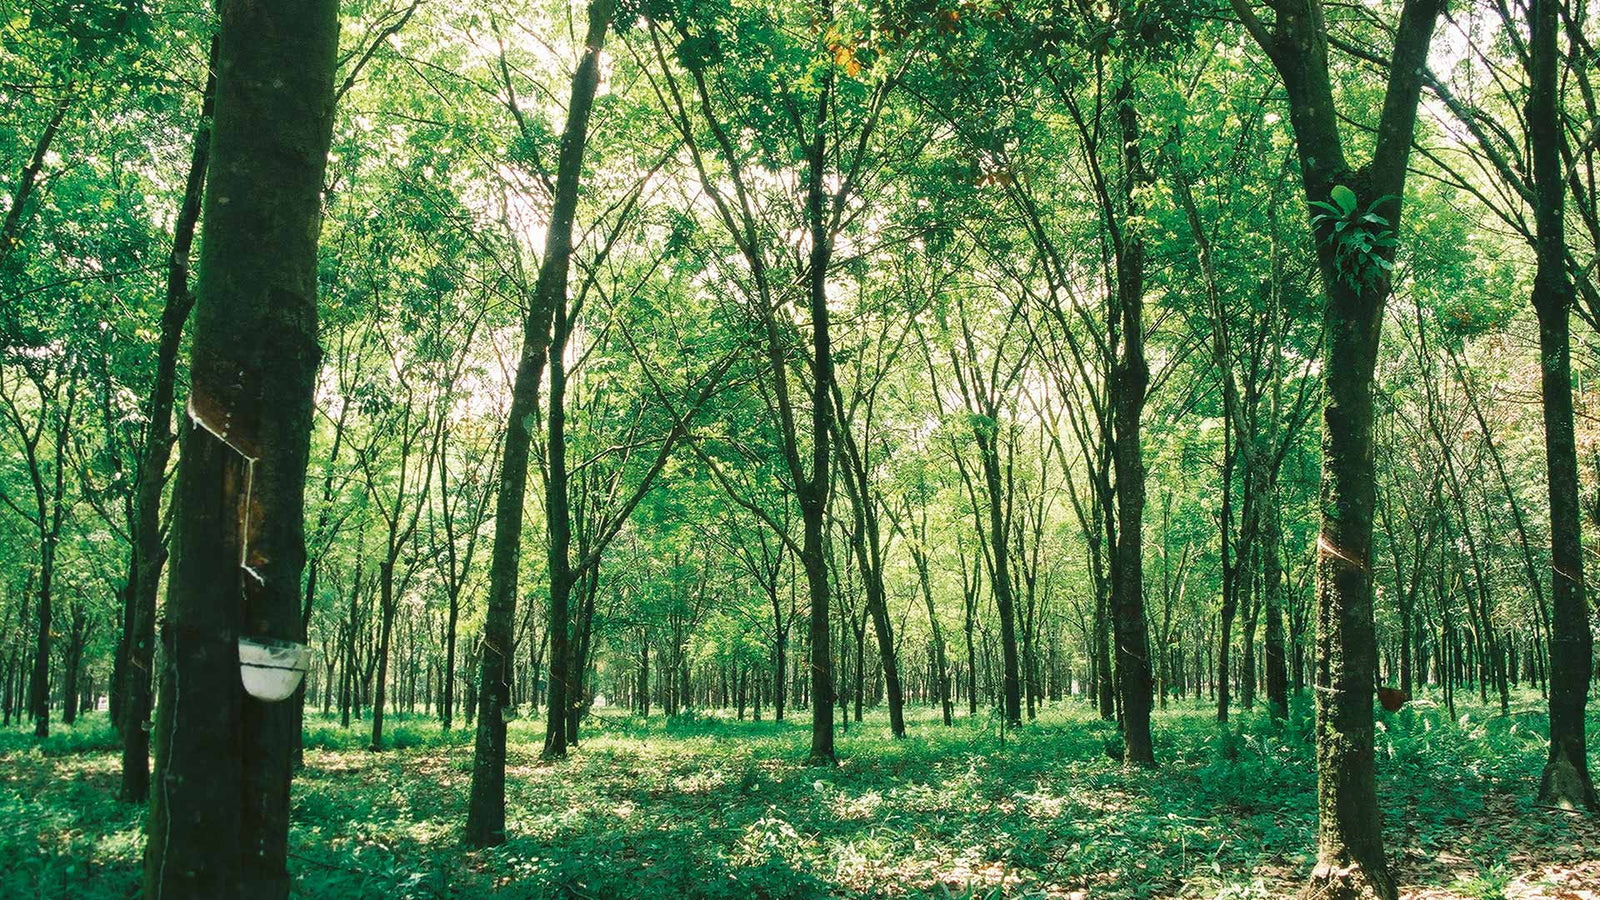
(1489, 883)
(710, 807)
(1363, 243)
(972, 245)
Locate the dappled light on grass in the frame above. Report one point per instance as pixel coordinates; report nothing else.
(656, 809)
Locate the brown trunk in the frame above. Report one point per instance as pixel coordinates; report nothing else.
(813, 490)
(1131, 378)
(866, 542)
(1272, 582)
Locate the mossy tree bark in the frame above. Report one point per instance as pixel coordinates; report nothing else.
(1350, 857)
(219, 821)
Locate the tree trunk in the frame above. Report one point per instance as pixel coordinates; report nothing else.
(72, 665)
(486, 809)
(941, 668)
(386, 611)
(1000, 567)
(149, 551)
(1566, 781)
(39, 681)
(219, 822)
(780, 662)
(1272, 582)
(1350, 832)
(1350, 856)
(814, 490)
(1131, 379)
(970, 600)
(866, 542)
(558, 525)
(447, 684)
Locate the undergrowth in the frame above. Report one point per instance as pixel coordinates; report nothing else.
(709, 807)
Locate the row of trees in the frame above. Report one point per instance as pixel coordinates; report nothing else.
(964, 353)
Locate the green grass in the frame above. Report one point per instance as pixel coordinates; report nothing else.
(707, 807)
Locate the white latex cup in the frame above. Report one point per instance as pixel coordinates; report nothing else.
(270, 669)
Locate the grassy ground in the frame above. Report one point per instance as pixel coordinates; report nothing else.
(706, 807)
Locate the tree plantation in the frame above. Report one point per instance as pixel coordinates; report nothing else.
(779, 449)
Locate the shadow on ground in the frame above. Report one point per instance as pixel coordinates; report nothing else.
(705, 807)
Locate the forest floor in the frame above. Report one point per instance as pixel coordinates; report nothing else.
(708, 807)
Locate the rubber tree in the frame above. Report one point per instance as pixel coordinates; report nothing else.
(1354, 264)
(219, 822)
(1565, 781)
(1130, 383)
(866, 536)
(828, 129)
(1530, 166)
(486, 808)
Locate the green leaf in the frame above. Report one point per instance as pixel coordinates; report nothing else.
(1345, 198)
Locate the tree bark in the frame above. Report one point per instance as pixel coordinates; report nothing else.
(941, 668)
(1131, 378)
(386, 611)
(1566, 781)
(486, 810)
(72, 665)
(1272, 580)
(219, 821)
(813, 491)
(1350, 855)
(987, 436)
(866, 542)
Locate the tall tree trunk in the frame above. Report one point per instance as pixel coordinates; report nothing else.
(1350, 855)
(941, 668)
(1131, 379)
(1101, 671)
(814, 490)
(1231, 566)
(447, 685)
(72, 665)
(578, 699)
(558, 527)
(1000, 583)
(386, 611)
(865, 541)
(780, 662)
(149, 551)
(220, 818)
(486, 809)
(39, 680)
(1566, 781)
(1272, 582)
(1350, 834)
